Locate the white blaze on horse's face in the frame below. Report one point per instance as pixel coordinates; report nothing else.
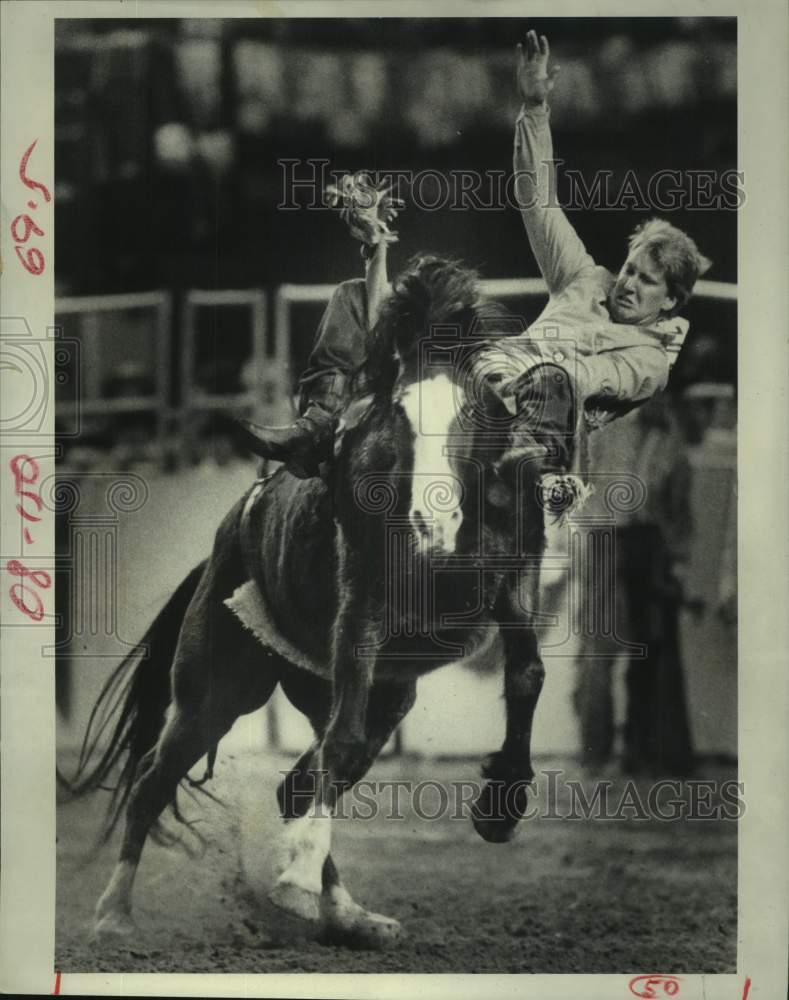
(436, 492)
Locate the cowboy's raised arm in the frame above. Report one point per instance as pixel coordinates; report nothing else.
(557, 247)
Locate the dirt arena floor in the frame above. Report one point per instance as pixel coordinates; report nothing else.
(630, 895)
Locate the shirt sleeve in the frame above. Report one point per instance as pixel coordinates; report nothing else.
(616, 382)
(559, 251)
(629, 375)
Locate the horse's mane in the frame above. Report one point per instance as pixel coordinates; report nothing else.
(430, 294)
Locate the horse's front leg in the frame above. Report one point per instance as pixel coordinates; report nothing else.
(341, 756)
(504, 797)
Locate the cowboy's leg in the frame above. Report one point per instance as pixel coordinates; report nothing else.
(550, 399)
(546, 414)
(341, 347)
(343, 337)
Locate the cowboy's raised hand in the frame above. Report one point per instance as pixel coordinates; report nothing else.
(535, 80)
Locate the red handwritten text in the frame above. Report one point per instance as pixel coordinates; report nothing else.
(648, 986)
(24, 593)
(31, 258)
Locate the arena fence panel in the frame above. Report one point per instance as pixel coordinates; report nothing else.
(226, 359)
(127, 339)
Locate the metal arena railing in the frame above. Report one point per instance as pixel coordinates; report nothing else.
(268, 374)
(286, 296)
(94, 317)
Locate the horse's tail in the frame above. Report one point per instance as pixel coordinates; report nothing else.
(134, 700)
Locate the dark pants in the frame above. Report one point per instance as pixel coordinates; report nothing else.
(546, 413)
(657, 732)
(341, 348)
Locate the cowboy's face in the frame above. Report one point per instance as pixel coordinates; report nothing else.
(640, 294)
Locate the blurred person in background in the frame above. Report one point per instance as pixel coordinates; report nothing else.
(624, 328)
(651, 557)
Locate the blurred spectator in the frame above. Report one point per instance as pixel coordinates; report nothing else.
(652, 548)
(727, 586)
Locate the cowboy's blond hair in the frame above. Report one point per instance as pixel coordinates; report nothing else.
(677, 255)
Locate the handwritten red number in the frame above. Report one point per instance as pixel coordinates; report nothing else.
(20, 594)
(30, 227)
(37, 502)
(17, 466)
(33, 185)
(646, 986)
(33, 261)
(25, 471)
(40, 577)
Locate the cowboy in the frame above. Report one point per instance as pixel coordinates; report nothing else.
(603, 345)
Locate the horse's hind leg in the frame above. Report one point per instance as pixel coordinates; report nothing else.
(342, 919)
(185, 738)
(207, 699)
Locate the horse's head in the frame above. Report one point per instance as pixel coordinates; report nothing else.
(425, 450)
(461, 492)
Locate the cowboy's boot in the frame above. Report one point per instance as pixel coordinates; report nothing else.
(308, 441)
(547, 415)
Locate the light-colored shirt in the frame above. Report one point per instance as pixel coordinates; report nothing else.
(632, 362)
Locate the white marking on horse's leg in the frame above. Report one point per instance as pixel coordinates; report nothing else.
(343, 919)
(306, 844)
(113, 910)
(436, 493)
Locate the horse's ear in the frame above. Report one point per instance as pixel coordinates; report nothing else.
(352, 417)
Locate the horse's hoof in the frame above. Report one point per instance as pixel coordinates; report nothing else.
(499, 808)
(113, 927)
(375, 933)
(495, 831)
(347, 923)
(295, 900)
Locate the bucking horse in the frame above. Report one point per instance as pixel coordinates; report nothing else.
(422, 540)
